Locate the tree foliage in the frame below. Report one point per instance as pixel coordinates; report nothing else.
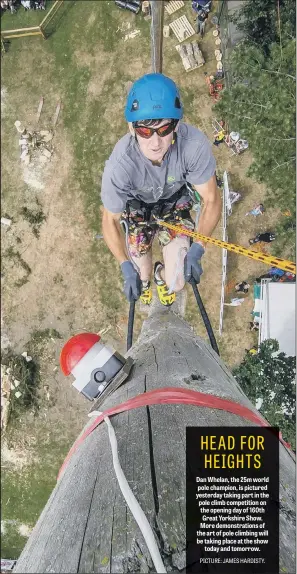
(269, 377)
(263, 23)
(261, 102)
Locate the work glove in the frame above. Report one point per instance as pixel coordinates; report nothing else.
(132, 283)
(192, 265)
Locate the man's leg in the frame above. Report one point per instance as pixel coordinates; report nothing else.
(140, 250)
(174, 254)
(139, 240)
(145, 265)
(175, 247)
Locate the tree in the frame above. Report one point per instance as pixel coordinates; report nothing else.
(268, 379)
(265, 22)
(260, 104)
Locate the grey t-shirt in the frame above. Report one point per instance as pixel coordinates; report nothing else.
(129, 174)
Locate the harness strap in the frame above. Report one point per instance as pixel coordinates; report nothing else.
(158, 209)
(173, 395)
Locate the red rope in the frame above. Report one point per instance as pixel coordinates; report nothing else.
(172, 395)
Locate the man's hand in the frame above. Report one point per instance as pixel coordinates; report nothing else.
(132, 282)
(192, 265)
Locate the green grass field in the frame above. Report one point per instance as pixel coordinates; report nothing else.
(87, 64)
(25, 492)
(62, 67)
(81, 63)
(24, 18)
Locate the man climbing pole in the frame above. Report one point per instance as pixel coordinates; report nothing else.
(153, 173)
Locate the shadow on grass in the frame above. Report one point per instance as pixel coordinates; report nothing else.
(59, 16)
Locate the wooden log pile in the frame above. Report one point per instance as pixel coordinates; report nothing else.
(32, 142)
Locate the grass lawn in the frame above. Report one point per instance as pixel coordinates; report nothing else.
(24, 18)
(74, 282)
(81, 63)
(24, 493)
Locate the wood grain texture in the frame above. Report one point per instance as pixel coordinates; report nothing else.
(86, 526)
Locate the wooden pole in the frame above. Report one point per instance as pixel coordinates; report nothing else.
(86, 526)
(49, 13)
(42, 33)
(157, 11)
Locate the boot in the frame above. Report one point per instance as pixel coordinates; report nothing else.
(165, 297)
(146, 292)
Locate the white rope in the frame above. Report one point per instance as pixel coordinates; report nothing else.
(131, 501)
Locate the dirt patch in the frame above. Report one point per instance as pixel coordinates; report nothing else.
(3, 101)
(16, 458)
(25, 530)
(5, 341)
(92, 60)
(60, 252)
(91, 19)
(97, 83)
(101, 74)
(61, 293)
(34, 175)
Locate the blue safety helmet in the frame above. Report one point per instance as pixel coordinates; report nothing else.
(153, 97)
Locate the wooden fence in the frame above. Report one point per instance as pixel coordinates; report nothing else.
(39, 30)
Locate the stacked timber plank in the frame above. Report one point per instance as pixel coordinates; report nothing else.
(173, 6)
(182, 28)
(191, 55)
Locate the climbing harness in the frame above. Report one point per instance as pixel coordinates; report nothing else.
(154, 219)
(140, 214)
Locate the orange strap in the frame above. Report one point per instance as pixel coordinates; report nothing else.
(173, 395)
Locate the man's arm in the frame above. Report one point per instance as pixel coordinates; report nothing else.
(113, 236)
(212, 206)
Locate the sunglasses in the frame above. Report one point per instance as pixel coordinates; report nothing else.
(145, 132)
